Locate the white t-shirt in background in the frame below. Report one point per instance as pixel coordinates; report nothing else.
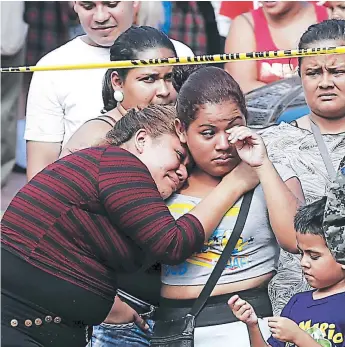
(59, 102)
(13, 27)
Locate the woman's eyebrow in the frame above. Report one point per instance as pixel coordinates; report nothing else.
(235, 118)
(312, 250)
(149, 73)
(144, 75)
(314, 67)
(214, 126)
(336, 66)
(207, 125)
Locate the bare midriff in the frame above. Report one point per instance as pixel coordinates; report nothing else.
(192, 292)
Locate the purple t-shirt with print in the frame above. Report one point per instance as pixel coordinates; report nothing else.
(323, 319)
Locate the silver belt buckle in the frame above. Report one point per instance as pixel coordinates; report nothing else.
(148, 314)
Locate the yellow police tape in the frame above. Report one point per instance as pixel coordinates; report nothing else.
(200, 59)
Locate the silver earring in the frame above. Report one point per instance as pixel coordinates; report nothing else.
(118, 96)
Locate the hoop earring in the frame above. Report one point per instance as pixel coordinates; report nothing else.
(118, 96)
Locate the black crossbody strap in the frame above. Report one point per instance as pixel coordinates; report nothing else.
(323, 150)
(223, 259)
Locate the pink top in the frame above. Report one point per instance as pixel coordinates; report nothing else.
(271, 70)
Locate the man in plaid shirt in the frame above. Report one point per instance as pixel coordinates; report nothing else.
(194, 23)
(48, 27)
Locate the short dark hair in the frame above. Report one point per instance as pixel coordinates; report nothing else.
(309, 218)
(128, 46)
(331, 29)
(157, 120)
(199, 85)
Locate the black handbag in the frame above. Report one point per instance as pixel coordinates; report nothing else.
(180, 332)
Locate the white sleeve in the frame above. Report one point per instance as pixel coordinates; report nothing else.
(44, 113)
(13, 27)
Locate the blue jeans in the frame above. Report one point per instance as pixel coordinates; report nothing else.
(113, 335)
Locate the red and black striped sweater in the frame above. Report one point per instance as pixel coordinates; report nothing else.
(93, 214)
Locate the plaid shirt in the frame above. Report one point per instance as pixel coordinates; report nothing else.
(48, 27)
(188, 26)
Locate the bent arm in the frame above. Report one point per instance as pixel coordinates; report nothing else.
(40, 155)
(283, 200)
(241, 39)
(135, 206)
(255, 336)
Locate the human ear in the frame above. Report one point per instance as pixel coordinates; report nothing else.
(116, 81)
(140, 140)
(136, 8)
(180, 131)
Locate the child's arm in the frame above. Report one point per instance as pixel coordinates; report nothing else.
(286, 330)
(255, 336)
(306, 340)
(282, 328)
(245, 313)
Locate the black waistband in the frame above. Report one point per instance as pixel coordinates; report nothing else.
(216, 310)
(30, 285)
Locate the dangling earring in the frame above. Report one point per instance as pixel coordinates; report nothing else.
(118, 96)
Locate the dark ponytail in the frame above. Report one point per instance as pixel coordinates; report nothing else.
(108, 92)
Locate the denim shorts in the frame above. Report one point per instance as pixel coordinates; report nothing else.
(113, 335)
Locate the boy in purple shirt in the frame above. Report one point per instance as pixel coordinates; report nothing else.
(310, 319)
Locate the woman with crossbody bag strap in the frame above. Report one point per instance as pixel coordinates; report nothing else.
(212, 123)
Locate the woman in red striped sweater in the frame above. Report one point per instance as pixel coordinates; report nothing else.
(91, 215)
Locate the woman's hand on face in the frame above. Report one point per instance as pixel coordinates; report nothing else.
(249, 145)
(122, 313)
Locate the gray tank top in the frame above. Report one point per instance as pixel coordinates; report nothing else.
(255, 254)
